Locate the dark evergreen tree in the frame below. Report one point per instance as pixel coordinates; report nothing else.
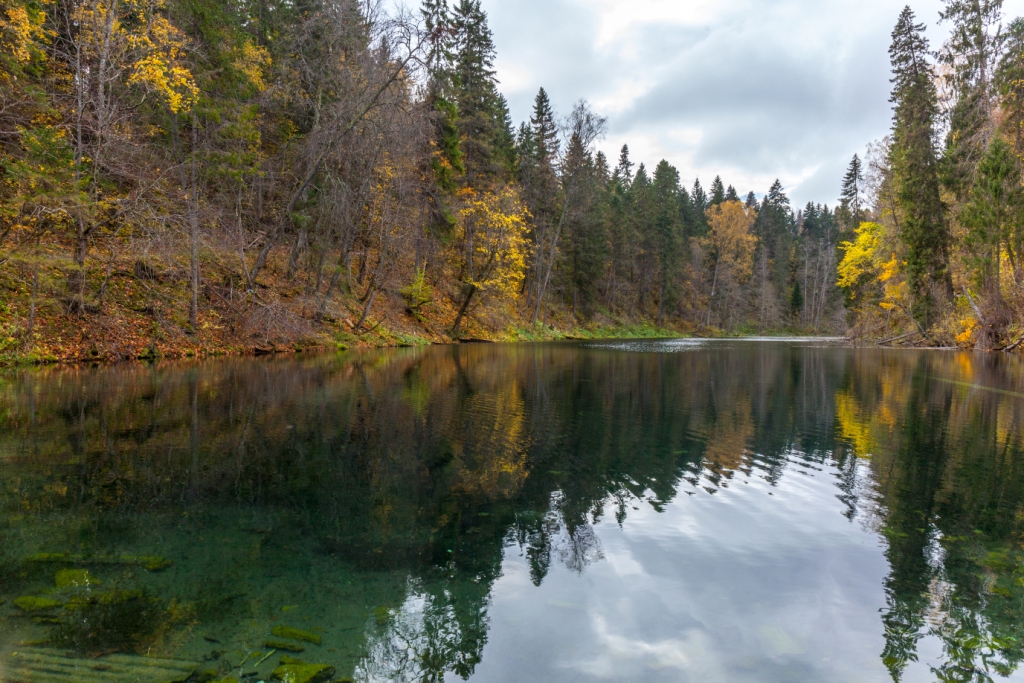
(645, 261)
(818, 222)
(850, 194)
(621, 229)
(545, 129)
(505, 147)
(445, 154)
(700, 202)
(479, 104)
(624, 171)
(1009, 81)
(699, 197)
(440, 58)
(796, 299)
(586, 234)
(539, 147)
(914, 165)
(717, 192)
(731, 195)
(666, 233)
(751, 202)
(969, 57)
(776, 228)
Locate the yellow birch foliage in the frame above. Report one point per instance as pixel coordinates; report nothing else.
(491, 238)
(253, 61)
(731, 239)
(860, 256)
(865, 270)
(22, 29)
(138, 36)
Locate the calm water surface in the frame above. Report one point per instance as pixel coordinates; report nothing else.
(615, 511)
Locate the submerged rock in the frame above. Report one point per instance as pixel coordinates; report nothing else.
(76, 578)
(31, 603)
(283, 645)
(152, 563)
(296, 634)
(303, 673)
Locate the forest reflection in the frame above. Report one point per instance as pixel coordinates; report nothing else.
(430, 464)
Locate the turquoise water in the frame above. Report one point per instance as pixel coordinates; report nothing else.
(598, 511)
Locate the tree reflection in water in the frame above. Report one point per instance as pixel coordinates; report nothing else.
(426, 466)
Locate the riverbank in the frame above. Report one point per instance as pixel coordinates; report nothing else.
(140, 311)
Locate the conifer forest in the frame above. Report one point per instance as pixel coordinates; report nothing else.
(188, 177)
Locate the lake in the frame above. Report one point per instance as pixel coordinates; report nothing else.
(688, 510)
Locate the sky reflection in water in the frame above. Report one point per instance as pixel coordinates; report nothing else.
(650, 511)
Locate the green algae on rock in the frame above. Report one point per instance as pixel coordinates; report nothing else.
(117, 620)
(75, 578)
(45, 664)
(151, 563)
(283, 645)
(296, 634)
(30, 603)
(303, 673)
(286, 659)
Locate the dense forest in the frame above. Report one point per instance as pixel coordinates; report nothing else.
(177, 174)
(184, 177)
(938, 255)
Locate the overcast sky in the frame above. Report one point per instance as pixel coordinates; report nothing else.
(750, 89)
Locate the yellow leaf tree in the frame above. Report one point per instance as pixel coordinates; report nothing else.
(730, 246)
(490, 247)
(870, 273)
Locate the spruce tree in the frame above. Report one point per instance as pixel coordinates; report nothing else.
(923, 228)
(539, 178)
(445, 154)
(585, 241)
(751, 202)
(850, 194)
(504, 142)
(699, 198)
(776, 227)
(1009, 81)
(666, 233)
(731, 195)
(545, 130)
(717, 192)
(969, 58)
(624, 171)
(992, 221)
(640, 195)
(796, 300)
(621, 227)
(479, 104)
(439, 29)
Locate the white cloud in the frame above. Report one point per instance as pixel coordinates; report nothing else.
(750, 89)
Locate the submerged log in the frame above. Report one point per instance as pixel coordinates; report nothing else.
(42, 665)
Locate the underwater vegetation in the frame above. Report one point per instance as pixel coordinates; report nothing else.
(90, 621)
(296, 634)
(300, 672)
(150, 563)
(331, 494)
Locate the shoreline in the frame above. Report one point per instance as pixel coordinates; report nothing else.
(25, 361)
(29, 359)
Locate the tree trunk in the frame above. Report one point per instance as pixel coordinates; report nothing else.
(462, 311)
(193, 228)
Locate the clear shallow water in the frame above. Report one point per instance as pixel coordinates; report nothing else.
(630, 511)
